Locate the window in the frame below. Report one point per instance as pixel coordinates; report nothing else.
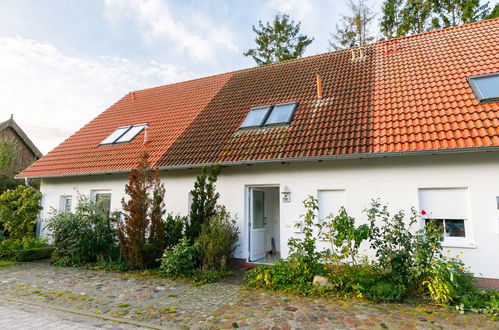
(123, 134)
(65, 205)
(485, 87)
(256, 117)
(281, 114)
(270, 115)
(330, 202)
(103, 201)
(449, 208)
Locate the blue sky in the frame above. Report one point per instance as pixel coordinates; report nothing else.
(63, 62)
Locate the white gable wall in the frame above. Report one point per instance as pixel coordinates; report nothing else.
(394, 180)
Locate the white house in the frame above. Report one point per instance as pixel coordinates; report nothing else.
(413, 121)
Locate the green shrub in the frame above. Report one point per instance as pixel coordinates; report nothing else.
(9, 248)
(480, 301)
(35, 254)
(294, 274)
(84, 237)
(354, 279)
(217, 241)
(204, 201)
(18, 211)
(386, 291)
(174, 229)
(180, 260)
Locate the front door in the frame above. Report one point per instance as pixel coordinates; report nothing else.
(257, 224)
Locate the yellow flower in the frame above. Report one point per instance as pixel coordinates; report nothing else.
(458, 255)
(461, 252)
(448, 251)
(462, 268)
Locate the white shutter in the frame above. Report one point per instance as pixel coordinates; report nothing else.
(444, 203)
(330, 202)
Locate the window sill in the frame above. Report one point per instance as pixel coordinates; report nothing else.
(463, 245)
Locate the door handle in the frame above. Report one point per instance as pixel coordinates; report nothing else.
(264, 221)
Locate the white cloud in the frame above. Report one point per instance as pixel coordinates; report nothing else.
(52, 95)
(196, 34)
(298, 9)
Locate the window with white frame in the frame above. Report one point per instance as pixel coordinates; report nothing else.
(103, 200)
(65, 204)
(330, 202)
(448, 207)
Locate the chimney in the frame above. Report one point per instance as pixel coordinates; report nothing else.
(134, 97)
(319, 88)
(146, 134)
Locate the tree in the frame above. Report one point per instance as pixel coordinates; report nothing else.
(141, 233)
(456, 12)
(415, 17)
(278, 41)
(8, 152)
(494, 12)
(354, 29)
(204, 201)
(157, 211)
(391, 21)
(18, 211)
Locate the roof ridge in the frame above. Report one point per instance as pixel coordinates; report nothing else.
(380, 42)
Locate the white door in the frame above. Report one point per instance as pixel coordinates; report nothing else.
(257, 224)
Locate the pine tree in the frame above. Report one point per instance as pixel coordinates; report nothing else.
(354, 30)
(278, 41)
(156, 239)
(391, 21)
(132, 230)
(456, 12)
(204, 200)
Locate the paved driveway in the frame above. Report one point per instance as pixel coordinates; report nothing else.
(161, 303)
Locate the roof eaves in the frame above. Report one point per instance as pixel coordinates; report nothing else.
(493, 148)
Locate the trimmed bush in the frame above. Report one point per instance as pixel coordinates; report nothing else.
(9, 247)
(35, 254)
(180, 260)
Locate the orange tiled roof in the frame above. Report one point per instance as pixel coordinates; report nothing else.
(407, 94)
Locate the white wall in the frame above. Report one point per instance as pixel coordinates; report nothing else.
(395, 180)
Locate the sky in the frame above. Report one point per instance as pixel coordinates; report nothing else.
(64, 62)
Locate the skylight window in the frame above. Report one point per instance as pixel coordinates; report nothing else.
(282, 114)
(130, 134)
(485, 87)
(123, 134)
(256, 117)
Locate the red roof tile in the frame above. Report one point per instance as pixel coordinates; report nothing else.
(412, 99)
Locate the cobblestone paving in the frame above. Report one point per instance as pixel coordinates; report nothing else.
(224, 304)
(21, 316)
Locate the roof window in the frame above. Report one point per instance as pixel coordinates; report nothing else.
(281, 114)
(123, 134)
(485, 87)
(256, 117)
(270, 115)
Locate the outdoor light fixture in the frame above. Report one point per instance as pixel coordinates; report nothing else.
(286, 194)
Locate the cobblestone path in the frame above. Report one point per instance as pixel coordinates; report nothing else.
(163, 303)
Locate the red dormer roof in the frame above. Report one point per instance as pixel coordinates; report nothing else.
(404, 95)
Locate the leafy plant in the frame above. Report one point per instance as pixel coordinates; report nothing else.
(180, 260)
(156, 239)
(344, 237)
(18, 211)
(204, 201)
(86, 236)
(174, 230)
(386, 291)
(8, 152)
(9, 248)
(279, 40)
(217, 241)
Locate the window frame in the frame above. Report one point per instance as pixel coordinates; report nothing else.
(451, 241)
(63, 199)
(128, 128)
(96, 192)
(476, 90)
(264, 118)
(290, 115)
